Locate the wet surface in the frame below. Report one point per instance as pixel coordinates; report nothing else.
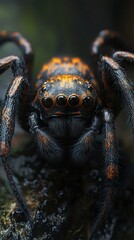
(63, 202)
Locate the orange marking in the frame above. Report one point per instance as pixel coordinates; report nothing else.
(22, 41)
(4, 149)
(7, 60)
(6, 112)
(67, 64)
(76, 60)
(111, 171)
(44, 68)
(111, 63)
(43, 139)
(66, 59)
(110, 140)
(56, 60)
(87, 139)
(15, 86)
(99, 41)
(25, 43)
(66, 78)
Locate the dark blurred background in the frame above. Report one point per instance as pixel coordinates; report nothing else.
(58, 27)
(63, 27)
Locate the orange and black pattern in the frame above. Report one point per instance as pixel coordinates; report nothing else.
(64, 66)
(105, 38)
(23, 44)
(70, 106)
(8, 120)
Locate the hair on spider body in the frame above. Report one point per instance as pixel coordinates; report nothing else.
(69, 108)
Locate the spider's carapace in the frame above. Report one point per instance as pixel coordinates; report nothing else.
(64, 88)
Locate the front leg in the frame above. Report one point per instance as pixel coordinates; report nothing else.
(82, 150)
(47, 145)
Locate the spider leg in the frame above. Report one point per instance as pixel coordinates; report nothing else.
(124, 88)
(110, 169)
(106, 37)
(83, 148)
(46, 144)
(24, 45)
(121, 56)
(6, 62)
(25, 100)
(8, 122)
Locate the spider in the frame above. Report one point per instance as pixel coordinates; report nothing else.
(69, 107)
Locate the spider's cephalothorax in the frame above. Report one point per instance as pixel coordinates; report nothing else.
(70, 107)
(65, 95)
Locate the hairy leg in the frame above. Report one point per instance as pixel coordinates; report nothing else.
(106, 38)
(117, 77)
(121, 56)
(23, 44)
(9, 108)
(110, 168)
(82, 150)
(47, 146)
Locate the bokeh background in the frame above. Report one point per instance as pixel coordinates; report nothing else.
(57, 27)
(65, 27)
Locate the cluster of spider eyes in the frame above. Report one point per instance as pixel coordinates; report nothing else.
(73, 101)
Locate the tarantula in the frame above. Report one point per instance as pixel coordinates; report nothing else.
(70, 106)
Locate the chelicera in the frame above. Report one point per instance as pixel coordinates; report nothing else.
(71, 105)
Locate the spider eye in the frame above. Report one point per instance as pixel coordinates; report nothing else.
(61, 100)
(88, 102)
(73, 100)
(47, 102)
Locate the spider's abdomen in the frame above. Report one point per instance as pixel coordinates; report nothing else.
(63, 66)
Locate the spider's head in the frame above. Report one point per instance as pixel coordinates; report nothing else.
(65, 95)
